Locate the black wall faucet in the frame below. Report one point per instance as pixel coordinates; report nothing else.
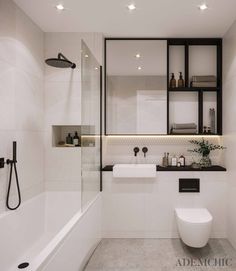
(136, 150)
(144, 150)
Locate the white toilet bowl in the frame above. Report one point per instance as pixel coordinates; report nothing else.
(194, 225)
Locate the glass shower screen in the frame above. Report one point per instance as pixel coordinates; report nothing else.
(91, 126)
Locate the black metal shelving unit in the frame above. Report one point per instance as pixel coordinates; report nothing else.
(218, 89)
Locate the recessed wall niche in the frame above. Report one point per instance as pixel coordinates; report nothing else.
(60, 132)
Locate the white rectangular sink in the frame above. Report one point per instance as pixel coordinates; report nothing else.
(134, 171)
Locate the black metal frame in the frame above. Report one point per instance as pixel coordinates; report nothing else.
(187, 42)
(101, 132)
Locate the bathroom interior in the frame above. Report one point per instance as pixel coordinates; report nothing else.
(117, 138)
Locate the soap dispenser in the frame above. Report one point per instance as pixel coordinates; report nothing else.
(180, 81)
(69, 139)
(172, 81)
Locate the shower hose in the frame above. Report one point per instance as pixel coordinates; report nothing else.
(13, 166)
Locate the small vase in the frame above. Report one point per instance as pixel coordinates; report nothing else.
(205, 161)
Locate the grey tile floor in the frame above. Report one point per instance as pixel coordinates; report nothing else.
(161, 255)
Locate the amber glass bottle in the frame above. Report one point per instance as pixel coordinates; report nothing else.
(172, 81)
(180, 81)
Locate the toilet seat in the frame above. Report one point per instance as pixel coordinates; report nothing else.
(194, 215)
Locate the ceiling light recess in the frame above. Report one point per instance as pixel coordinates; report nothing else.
(60, 7)
(131, 7)
(139, 68)
(137, 55)
(203, 6)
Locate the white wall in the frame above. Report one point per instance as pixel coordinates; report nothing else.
(145, 208)
(120, 149)
(135, 208)
(21, 99)
(229, 110)
(63, 106)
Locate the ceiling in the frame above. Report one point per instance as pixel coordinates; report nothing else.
(153, 18)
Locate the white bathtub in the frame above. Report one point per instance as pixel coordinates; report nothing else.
(50, 232)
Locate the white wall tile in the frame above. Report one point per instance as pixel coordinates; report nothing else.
(7, 96)
(145, 208)
(21, 100)
(229, 98)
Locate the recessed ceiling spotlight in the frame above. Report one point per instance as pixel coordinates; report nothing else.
(203, 7)
(60, 7)
(131, 7)
(96, 68)
(139, 68)
(86, 56)
(137, 55)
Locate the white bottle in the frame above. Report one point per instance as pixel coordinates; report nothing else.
(174, 161)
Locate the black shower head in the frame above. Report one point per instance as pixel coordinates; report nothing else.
(60, 62)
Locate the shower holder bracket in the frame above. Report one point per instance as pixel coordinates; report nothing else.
(2, 162)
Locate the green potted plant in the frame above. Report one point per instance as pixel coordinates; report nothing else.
(204, 148)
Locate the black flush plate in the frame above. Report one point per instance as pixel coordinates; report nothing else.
(189, 185)
(2, 162)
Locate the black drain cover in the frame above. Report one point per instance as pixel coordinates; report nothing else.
(23, 265)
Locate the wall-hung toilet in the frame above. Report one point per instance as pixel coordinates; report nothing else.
(194, 225)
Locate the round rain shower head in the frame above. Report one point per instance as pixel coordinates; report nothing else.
(60, 62)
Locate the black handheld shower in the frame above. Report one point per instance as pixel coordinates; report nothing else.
(12, 164)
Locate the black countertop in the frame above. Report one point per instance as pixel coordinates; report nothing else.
(170, 168)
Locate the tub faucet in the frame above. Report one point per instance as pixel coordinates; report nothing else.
(136, 150)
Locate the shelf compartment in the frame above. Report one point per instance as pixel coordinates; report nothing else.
(60, 132)
(85, 132)
(179, 104)
(209, 101)
(202, 61)
(177, 61)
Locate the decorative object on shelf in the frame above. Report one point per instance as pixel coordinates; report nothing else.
(212, 120)
(178, 164)
(195, 165)
(204, 149)
(182, 160)
(172, 81)
(61, 143)
(165, 160)
(76, 140)
(69, 139)
(174, 161)
(181, 80)
(204, 81)
(184, 128)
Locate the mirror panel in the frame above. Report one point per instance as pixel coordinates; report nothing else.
(136, 87)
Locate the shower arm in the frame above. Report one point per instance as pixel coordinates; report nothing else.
(60, 56)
